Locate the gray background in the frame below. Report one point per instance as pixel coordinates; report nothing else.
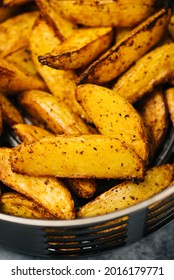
(157, 246)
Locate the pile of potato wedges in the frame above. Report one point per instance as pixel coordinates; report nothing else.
(87, 89)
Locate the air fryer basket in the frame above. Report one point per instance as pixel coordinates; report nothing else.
(84, 237)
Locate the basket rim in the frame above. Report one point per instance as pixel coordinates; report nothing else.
(89, 220)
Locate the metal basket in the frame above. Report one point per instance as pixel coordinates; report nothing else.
(84, 237)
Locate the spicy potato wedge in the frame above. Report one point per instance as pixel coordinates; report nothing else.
(49, 192)
(10, 114)
(86, 156)
(169, 95)
(29, 133)
(129, 193)
(55, 114)
(127, 51)
(74, 52)
(15, 32)
(60, 83)
(15, 80)
(104, 13)
(114, 116)
(145, 74)
(63, 28)
(18, 205)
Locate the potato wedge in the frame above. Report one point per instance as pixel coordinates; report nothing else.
(126, 52)
(63, 28)
(49, 192)
(18, 205)
(15, 80)
(74, 52)
(87, 156)
(104, 13)
(13, 3)
(129, 193)
(60, 83)
(154, 112)
(114, 116)
(29, 133)
(10, 114)
(12, 39)
(145, 75)
(171, 26)
(22, 58)
(169, 95)
(47, 109)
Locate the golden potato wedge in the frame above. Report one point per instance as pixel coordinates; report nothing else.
(74, 52)
(10, 114)
(154, 112)
(15, 80)
(49, 192)
(14, 38)
(104, 13)
(169, 95)
(18, 205)
(29, 133)
(129, 193)
(13, 3)
(63, 28)
(114, 116)
(87, 156)
(60, 83)
(127, 51)
(22, 59)
(151, 70)
(47, 109)
(171, 26)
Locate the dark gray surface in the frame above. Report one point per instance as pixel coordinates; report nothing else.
(159, 245)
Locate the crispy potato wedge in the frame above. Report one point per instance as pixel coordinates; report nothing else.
(61, 83)
(171, 26)
(87, 156)
(29, 133)
(104, 13)
(49, 192)
(15, 80)
(55, 114)
(145, 75)
(13, 3)
(63, 28)
(169, 95)
(0, 117)
(18, 205)
(12, 39)
(114, 116)
(22, 59)
(154, 112)
(129, 193)
(127, 51)
(74, 52)
(10, 114)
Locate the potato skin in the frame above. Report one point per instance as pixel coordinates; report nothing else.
(126, 52)
(86, 156)
(169, 95)
(145, 75)
(114, 116)
(129, 193)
